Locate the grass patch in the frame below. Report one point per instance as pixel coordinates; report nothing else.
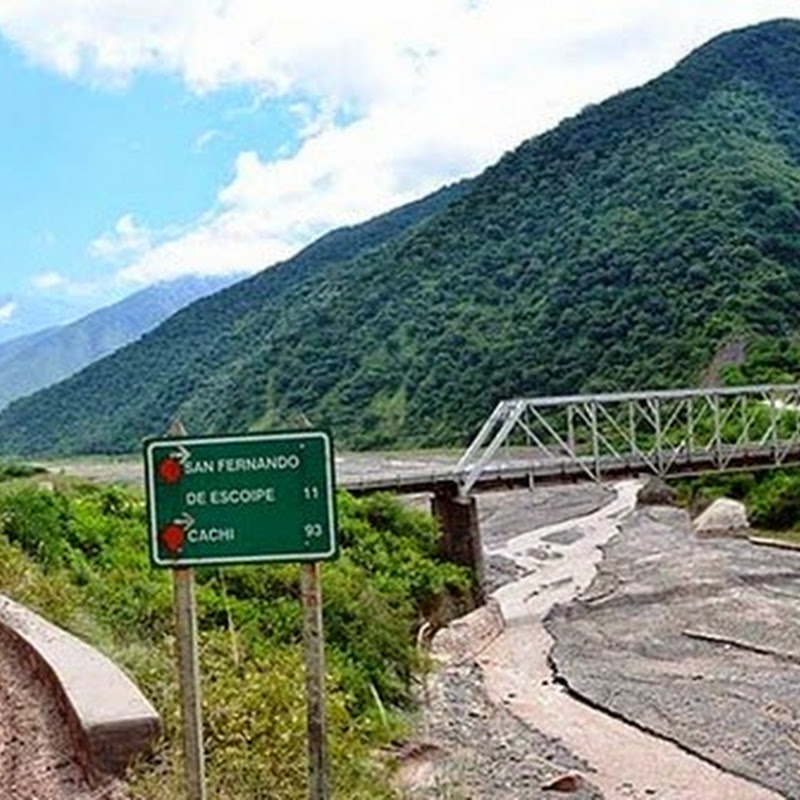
(78, 554)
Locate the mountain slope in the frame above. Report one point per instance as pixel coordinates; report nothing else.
(32, 362)
(30, 311)
(91, 411)
(619, 250)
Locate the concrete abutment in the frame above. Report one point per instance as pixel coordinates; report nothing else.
(109, 720)
(460, 543)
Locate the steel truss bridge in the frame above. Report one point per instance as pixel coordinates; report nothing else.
(607, 436)
(602, 437)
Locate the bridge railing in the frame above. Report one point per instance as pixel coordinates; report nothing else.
(662, 432)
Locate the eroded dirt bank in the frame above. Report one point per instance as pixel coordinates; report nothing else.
(37, 759)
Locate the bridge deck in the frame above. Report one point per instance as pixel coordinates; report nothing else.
(526, 472)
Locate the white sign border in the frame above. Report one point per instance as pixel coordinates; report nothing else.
(304, 557)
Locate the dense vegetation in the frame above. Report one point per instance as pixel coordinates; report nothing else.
(78, 553)
(622, 249)
(766, 360)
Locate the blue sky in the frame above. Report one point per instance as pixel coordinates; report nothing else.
(145, 140)
(76, 158)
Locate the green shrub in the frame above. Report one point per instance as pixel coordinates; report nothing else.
(772, 498)
(79, 555)
(774, 502)
(38, 521)
(10, 470)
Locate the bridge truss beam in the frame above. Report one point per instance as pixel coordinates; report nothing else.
(686, 431)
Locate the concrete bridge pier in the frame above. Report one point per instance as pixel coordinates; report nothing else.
(457, 515)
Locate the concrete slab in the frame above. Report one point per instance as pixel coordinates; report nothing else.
(109, 718)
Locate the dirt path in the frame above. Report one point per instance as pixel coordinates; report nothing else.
(37, 761)
(559, 561)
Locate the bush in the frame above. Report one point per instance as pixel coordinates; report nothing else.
(38, 521)
(8, 471)
(772, 498)
(774, 503)
(79, 555)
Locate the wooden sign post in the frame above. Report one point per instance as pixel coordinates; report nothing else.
(314, 646)
(191, 692)
(241, 500)
(189, 671)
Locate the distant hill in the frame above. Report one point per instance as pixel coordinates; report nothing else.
(622, 249)
(29, 363)
(32, 311)
(175, 357)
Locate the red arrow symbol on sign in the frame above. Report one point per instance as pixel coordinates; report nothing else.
(173, 536)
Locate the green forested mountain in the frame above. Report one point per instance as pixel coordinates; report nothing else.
(32, 362)
(621, 249)
(172, 364)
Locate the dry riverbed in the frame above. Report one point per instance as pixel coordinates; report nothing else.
(696, 639)
(500, 726)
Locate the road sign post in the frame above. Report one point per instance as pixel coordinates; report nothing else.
(189, 676)
(243, 500)
(314, 649)
(189, 671)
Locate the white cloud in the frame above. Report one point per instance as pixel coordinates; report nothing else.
(205, 139)
(349, 51)
(48, 280)
(280, 45)
(7, 312)
(126, 239)
(392, 99)
(228, 243)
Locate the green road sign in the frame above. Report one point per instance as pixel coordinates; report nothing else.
(240, 499)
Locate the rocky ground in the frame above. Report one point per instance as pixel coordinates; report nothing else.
(503, 515)
(473, 748)
(470, 746)
(498, 725)
(697, 639)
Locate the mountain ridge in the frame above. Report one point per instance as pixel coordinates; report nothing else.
(619, 250)
(238, 302)
(36, 360)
